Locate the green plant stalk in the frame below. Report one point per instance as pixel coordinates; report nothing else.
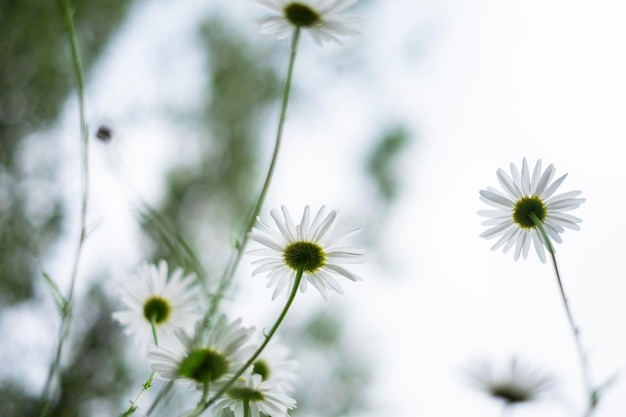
(148, 383)
(146, 386)
(227, 277)
(205, 394)
(160, 397)
(246, 408)
(259, 350)
(154, 329)
(66, 319)
(592, 392)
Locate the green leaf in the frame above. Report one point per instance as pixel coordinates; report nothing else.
(60, 300)
(382, 161)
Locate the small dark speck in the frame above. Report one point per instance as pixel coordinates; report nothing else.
(104, 133)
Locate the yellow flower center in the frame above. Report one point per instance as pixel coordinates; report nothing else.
(526, 206)
(204, 365)
(306, 255)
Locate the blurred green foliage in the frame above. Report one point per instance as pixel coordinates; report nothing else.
(96, 376)
(382, 162)
(213, 196)
(336, 372)
(35, 78)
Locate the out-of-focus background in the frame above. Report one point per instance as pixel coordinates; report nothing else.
(398, 129)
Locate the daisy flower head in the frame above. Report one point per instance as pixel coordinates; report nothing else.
(518, 383)
(275, 363)
(311, 246)
(528, 198)
(205, 360)
(262, 397)
(153, 296)
(321, 18)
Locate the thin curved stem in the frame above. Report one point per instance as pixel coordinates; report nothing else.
(232, 267)
(586, 374)
(148, 384)
(579, 346)
(259, 350)
(133, 407)
(67, 318)
(160, 396)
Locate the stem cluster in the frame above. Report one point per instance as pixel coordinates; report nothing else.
(227, 277)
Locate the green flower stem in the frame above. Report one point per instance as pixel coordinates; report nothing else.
(135, 404)
(66, 319)
(542, 230)
(268, 337)
(232, 267)
(159, 397)
(154, 330)
(246, 408)
(205, 394)
(205, 389)
(592, 392)
(148, 384)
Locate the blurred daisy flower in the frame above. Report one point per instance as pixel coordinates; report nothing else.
(310, 246)
(320, 17)
(262, 397)
(152, 298)
(207, 360)
(275, 363)
(526, 196)
(518, 383)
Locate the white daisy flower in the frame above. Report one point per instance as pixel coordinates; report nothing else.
(518, 383)
(523, 196)
(310, 245)
(151, 296)
(320, 17)
(211, 359)
(264, 397)
(275, 363)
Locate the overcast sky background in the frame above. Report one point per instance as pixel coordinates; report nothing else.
(480, 84)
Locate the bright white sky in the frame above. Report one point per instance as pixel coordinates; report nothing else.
(481, 84)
